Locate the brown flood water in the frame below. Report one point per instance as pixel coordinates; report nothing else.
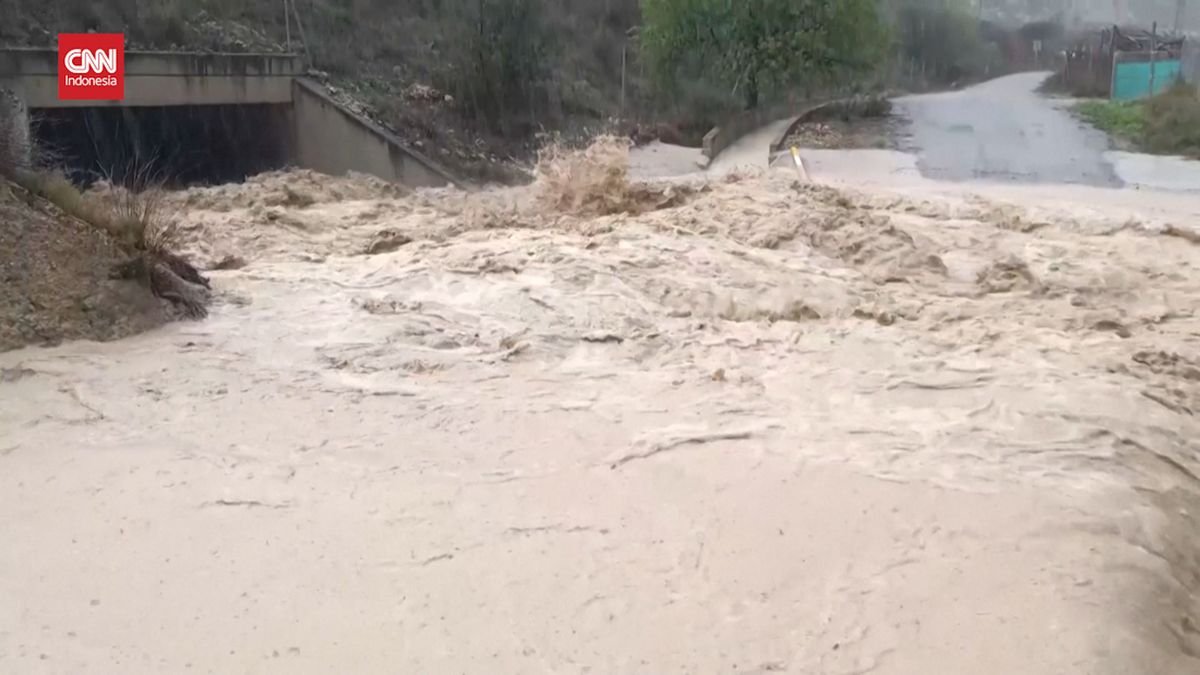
(725, 424)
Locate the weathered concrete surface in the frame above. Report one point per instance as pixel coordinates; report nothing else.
(331, 139)
(1156, 172)
(732, 130)
(752, 150)
(326, 136)
(160, 78)
(1004, 131)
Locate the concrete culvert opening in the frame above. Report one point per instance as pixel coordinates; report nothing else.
(175, 145)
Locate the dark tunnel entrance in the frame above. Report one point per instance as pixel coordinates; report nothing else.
(174, 145)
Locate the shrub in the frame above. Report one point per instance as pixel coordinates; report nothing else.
(1121, 118)
(162, 24)
(758, 48)
(1165, 124)
(137, 218)
(1172, 122)
(140, 220)
(498, 54)
(940, 43)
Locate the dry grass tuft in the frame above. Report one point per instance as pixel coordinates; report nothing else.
(136, 218)
(1173, 122)
(140, 219)
(137, 215)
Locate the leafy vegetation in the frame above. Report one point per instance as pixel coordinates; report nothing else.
(1173, 122)
(475, 82)
(512, 68)
(753, 47)
(1166, 124)
(1124, 119)
(938, 42)
(499, 54)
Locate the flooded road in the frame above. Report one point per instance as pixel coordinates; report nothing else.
(1004, 130)
(727, 425)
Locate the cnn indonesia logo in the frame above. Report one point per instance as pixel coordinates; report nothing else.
(91, 66)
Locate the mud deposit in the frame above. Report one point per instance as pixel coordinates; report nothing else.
(743, 425)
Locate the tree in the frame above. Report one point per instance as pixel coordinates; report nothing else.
(499, 53)
(941, 37)
(750, 45)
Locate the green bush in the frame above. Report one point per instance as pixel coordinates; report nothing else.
(162, 24)
(939, 42)
(1172, 122)
(1125, 119)
(1167, 124)
(498, 56)
(759, 49)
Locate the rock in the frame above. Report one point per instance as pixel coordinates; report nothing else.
(387, 241)
(229, 262)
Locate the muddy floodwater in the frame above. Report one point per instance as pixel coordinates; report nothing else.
(727, 424)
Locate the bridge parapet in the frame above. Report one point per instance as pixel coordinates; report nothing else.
(324, 135)
(160, 78)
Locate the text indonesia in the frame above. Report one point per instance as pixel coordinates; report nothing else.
(91, 66)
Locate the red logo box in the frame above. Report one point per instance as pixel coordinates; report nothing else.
(91, 66)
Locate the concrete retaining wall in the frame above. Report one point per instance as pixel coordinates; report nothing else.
(855, 107)
(333, 140)
(326, 136)
(721, 137)
(160, 78)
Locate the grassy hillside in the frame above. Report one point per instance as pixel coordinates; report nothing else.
(411, 64)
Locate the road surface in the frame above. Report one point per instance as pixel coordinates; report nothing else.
(1001, 131)
(998, 132)
(1004, 131)
(663, 161)
(750, 151)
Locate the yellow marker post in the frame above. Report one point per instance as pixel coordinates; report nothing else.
(799, 164)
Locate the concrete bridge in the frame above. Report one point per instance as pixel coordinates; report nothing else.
(321, 134)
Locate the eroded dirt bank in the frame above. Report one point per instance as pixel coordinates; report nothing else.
(749, 426)
(55, 280)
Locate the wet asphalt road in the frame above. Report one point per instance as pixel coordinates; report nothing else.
(1003, 130)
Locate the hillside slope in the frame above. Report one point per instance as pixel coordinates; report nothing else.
(400, 62)
(54, 279)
